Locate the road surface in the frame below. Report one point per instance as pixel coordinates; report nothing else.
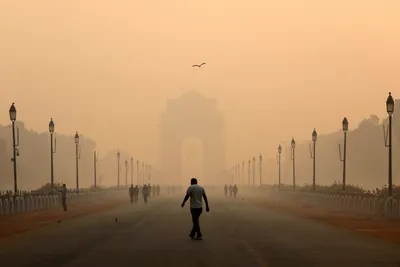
(236, 233)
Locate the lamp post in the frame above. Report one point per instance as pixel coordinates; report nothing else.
(312, 154)
(132, 170)
(138, 172)
(233, 174)
(145, 175)
(141, 174)
(95, 160)
(149, 174)
(254, 171)
(236, 175)
(126, 173)
(239, 174)
(293, 144)
(388, 142)
(13, 117)
(243, 179)
(248, 175)
(260, 170)
(119, 170)
(52, 151)
(77, 157)
(345, 128)
(279, 165)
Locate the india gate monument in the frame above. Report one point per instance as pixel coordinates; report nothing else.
(192, 115)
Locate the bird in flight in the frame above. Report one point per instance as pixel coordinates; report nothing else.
(199, 65)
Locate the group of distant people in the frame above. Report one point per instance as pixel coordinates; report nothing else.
(233, 190)
(147, 192)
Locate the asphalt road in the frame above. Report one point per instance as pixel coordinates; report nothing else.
(236, 233)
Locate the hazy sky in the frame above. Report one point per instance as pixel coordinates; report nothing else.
(278, 68)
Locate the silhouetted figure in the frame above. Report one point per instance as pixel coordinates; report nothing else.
(230, 190)
(153, 190)
(158, 190)
(226, 190)
(63, 192)
(131, 193)
(136, 193)
(196, 193)
(235, 190)
(145, 193)
(149, 191)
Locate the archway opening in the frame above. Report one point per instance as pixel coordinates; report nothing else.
(192, 159)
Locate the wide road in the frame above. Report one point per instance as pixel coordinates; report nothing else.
(236, 233)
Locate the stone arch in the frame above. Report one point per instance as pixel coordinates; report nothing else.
(193, 114)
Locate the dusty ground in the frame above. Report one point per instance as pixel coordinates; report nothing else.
(23, 222)
(385, 229)
(236, 234)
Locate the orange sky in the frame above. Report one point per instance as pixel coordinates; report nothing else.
(278, 68)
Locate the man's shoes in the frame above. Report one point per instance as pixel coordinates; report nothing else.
(191, 237)
(198, 238)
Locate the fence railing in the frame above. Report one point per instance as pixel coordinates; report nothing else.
(364, 204)
(27, 203)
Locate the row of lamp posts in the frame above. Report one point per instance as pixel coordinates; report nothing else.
(146, 174)
(238, 173)
(53, 144)
(345, 128)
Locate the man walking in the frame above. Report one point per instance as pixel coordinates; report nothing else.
(196, 194)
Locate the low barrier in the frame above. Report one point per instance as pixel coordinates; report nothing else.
(20, 204)
(371, 205)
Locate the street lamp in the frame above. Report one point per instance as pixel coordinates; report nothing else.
(243, 179)
(260, 170)
(138, 172)
(236, 174)
(279, 165)
(119, 170)
(293, 144)
(390, 110)
(254, 171)
(13, 118)
(312, 154)
(345, 128)
(248, 175)
(126, 173)
(145, 175)
(52, 152)
(149, 174)
(142, 174)
(77, 157)
(132, 170)
(95, 160)
(239, 174)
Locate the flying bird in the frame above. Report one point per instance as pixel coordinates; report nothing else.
(199, 65)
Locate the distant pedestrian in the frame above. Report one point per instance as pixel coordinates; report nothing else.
(235, 190)
(145, 193)
(131, 193)
(226, 190)
(136, 193)
(196, 193)
(158, 189)
(149, 190)
(63, 192)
